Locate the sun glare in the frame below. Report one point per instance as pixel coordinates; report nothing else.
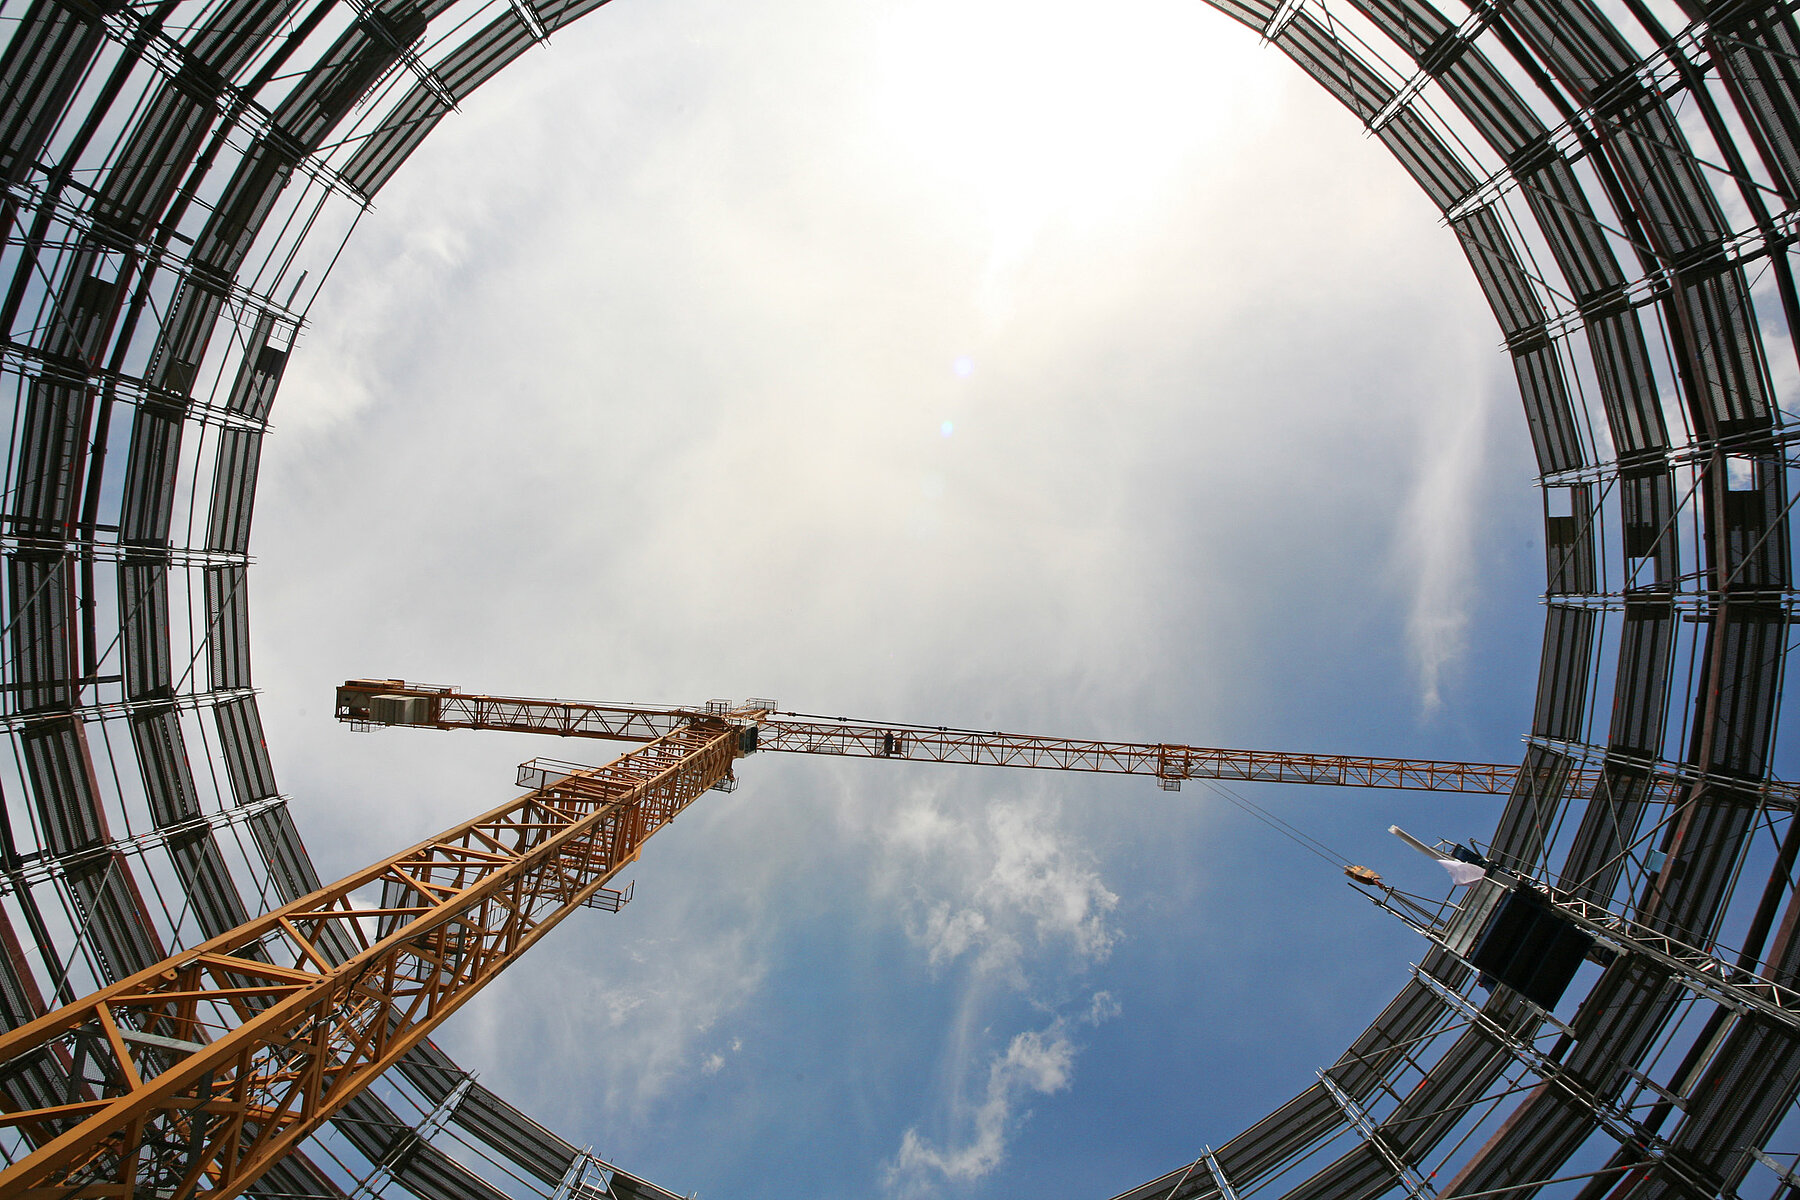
(1052, 114)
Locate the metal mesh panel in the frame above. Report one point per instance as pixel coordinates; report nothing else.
(1563, 674)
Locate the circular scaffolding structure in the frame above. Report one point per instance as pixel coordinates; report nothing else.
(1624, 179)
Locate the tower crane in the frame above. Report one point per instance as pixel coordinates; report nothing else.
(191, 1077)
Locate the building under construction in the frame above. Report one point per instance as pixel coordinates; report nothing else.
(1612, 1010)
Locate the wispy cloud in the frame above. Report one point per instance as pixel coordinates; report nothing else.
(655, 1008)
(1006, 897)
(1006, 879)
(1036, 1062)
(1435, 548)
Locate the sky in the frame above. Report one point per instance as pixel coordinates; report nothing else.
(976, 364)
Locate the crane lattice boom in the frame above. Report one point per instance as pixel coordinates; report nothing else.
(192, 1077)
(395, 702)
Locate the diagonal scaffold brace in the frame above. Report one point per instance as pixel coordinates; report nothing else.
(193, 1076)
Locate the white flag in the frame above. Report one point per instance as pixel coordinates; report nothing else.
(1462, 874)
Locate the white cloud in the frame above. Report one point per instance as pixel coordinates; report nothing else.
(653, 1004)
(1036, 1062)
(1102, 1008)
(995, 885)
(1435, 545)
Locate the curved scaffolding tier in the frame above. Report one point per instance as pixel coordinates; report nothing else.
(179, 177)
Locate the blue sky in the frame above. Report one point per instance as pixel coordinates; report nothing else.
(965, 364)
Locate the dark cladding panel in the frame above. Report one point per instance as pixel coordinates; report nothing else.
(1739, 689)
(1659, 172)
(1563, 673)
(38, 1079)
(208, 883)
(42, 598)
(1426, 158)
(1384, 1045)
(1641, 697)
(1725, 357)
(1283, 1133)
(289, 867)
(1468, 1068)
(1627, 384)
(52, 450)
(144, 628)
(1490, 103)
(228, 627)
(514, 1134)
(1647, 524)
(431, 1071)
(245, 753)
(1532, 807)
(1255, 13)
(1569, 549)
(1579, 45)
(462, 71)
(1543, 1131)
(1508, 290)
(1547, 413)
(371, 1126)
(117, 921)
(1531, 947)
(1609, 824)
(398, 135)
(1756, 526)
(1760, 53)
(1335, 65)
(234, 491)
(142, 180)
(49, 50)
(554, 14)
(62, 782)
(86, 309)
(1575, 234)
(477, 60)
(293, 1177)
(428, 1172)
(260, 177)
(1703, 854)
(360, 57)
(150, 471)
(1415, 26)
(259, 373)
(1738, 1104)
(182, 344)
(1359, 1174)
(226, 44)
(162, 757)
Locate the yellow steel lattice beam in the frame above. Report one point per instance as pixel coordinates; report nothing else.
(395, 702)
(192, 1077)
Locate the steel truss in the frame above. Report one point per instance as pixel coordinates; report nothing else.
(198, 1073)
(443, 707)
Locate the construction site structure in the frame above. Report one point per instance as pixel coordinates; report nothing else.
(177, 179)
(366, 703)
(200, 1073)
